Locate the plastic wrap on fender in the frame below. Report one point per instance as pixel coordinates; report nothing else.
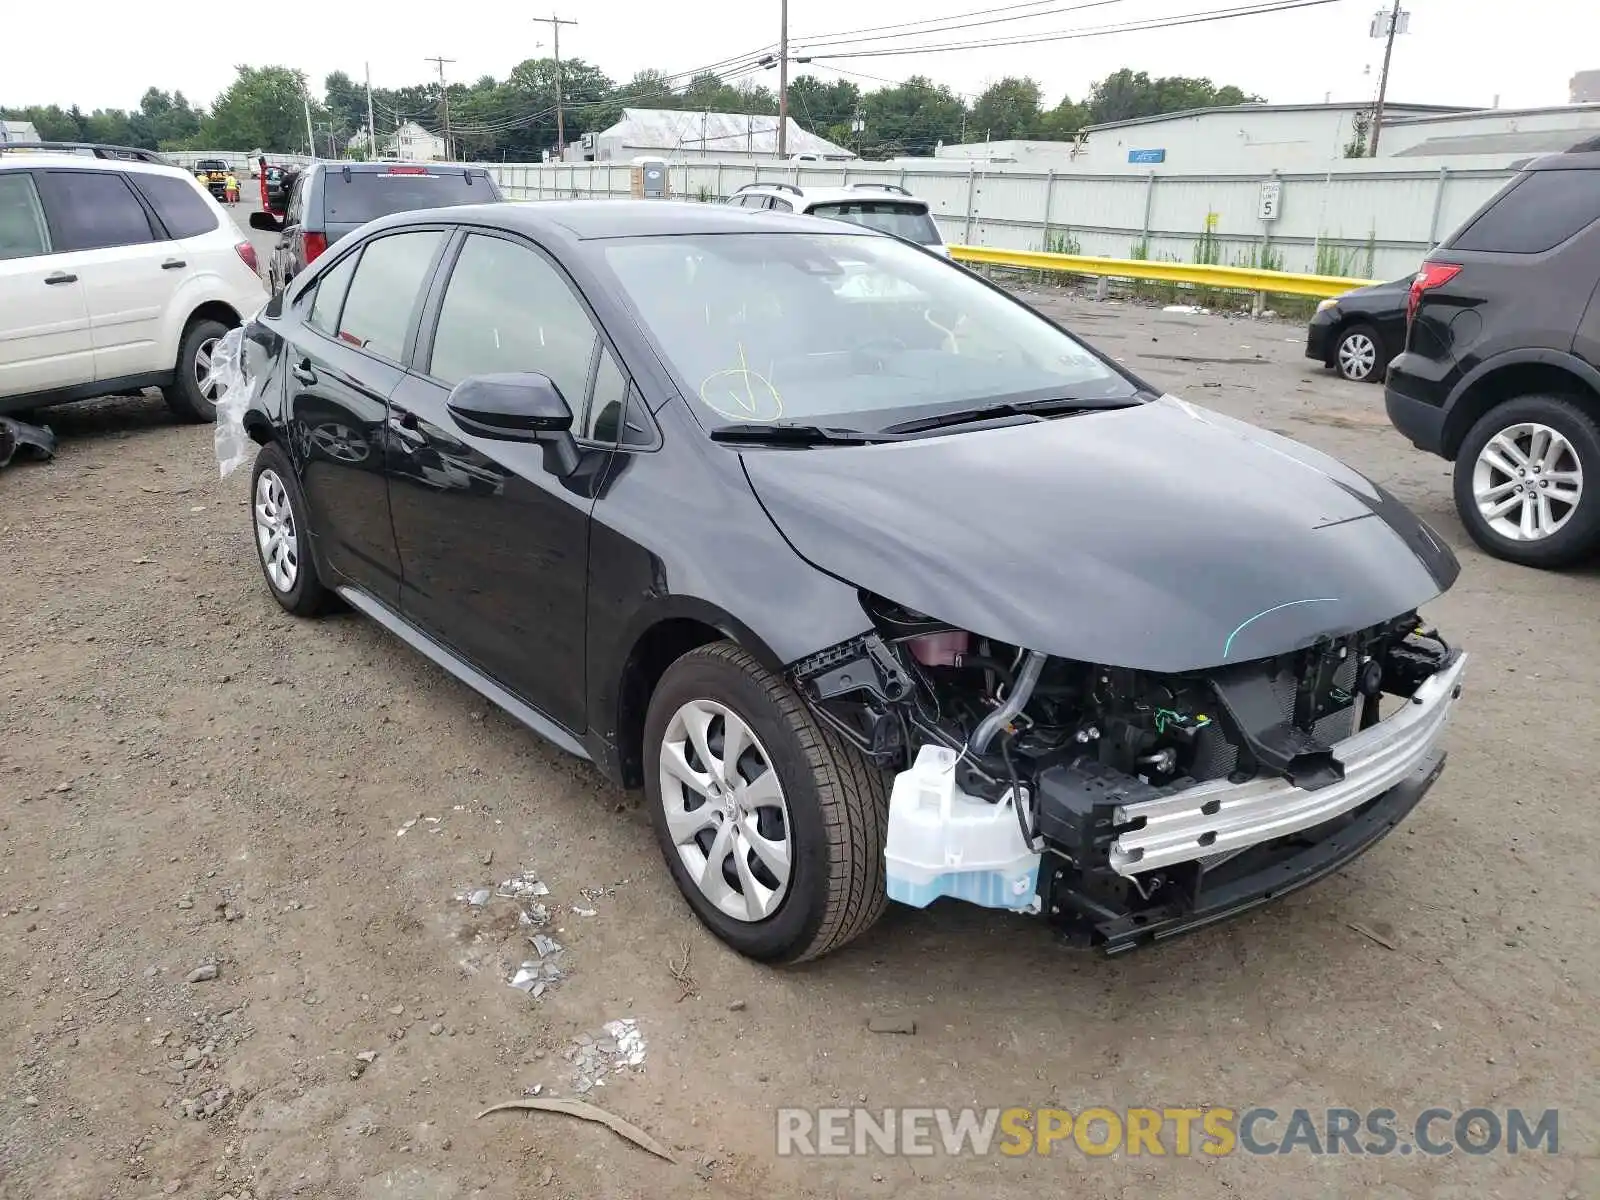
(233, 444)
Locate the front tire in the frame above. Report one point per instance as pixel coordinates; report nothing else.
(282, 537)
(1359, 355)
(778, 849)
(193, 393)
(1527, 482)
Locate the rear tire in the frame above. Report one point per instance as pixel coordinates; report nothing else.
(1359, 355)
(282, 537)
(192, 395)
(828, 811)
(1527, 482)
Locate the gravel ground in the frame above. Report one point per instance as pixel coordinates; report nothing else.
(240, 953)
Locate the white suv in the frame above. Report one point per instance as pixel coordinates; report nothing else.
(118, 271)
(881, 206)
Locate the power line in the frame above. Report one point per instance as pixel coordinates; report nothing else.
(1225, 14)
(849, 38)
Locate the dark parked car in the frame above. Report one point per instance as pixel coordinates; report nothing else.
(881, 584)
(1359, 332)
(328, 200)
(1501, 370)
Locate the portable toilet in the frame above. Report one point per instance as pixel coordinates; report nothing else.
(650, 178)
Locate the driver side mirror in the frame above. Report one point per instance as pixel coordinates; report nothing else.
(517, 407)
(265, 221)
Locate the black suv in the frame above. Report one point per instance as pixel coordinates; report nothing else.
(329, 200)
(1501, 369)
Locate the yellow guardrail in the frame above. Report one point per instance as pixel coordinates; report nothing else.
(1244, 279)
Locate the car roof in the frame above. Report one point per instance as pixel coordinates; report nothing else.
(830, 195)
(385, 165)
(84, 162)
(584, 220)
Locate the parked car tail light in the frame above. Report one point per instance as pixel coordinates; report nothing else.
(1431, 276)
(248, 253)
(315, 244)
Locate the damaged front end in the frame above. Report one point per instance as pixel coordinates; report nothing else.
(1128, 805)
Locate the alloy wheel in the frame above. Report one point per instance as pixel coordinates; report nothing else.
(1357, 356)
(1527, 482)
(725, 810)
(275, 532)
(205, 373)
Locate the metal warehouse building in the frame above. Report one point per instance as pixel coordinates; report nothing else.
(683, 135)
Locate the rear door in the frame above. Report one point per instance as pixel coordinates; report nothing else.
(44, 318)
(127, 276)
(494, 548)
(351, 197)
(354, 330)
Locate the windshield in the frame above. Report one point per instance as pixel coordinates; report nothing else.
(842, 330)
(369, 194)
(904, 218)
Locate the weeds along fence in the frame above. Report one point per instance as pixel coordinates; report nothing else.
(1368, 219)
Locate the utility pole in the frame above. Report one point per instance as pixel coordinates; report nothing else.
(1396, 22)
(783, 79)
(555, 22)
(311, 137)
(444, 100)
(372, 132)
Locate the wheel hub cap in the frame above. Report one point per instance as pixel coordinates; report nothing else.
(276, 537)
(1357, 355)
(1527, 482)
(725, 810)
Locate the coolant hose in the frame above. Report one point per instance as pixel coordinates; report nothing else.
(1016, 700)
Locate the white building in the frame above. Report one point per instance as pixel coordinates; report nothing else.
(409, 143)
(18, 131)
(1239, 137)
(1490, 131)
(683, 135)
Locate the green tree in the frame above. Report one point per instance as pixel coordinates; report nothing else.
(911, 118)
(823, 107)
(264, 107)
(1125, 94)
(1008, 108)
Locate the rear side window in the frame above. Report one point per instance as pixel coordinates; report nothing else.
(366, 195)
(905, 219)
(335, 282)
(386, 288)
(179, 205)
(1536, 215)
(90, 210)
(23, 233)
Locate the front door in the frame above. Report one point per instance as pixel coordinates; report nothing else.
(493, 546)
(344, 363)
(44, 318)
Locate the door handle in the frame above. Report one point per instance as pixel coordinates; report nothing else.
(60, 277)
(303, 372)
(172, 264)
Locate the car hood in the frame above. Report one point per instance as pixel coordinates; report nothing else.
(1161, 537)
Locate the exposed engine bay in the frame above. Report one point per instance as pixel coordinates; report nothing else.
(1135, 791)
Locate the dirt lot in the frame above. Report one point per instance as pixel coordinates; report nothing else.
(191, 778)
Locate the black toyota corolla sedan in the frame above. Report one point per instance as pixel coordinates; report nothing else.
(882, 585)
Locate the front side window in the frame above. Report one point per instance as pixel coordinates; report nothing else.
(386, 289)
(23, 232)
(178, 203)
(90, 210)
(506, 309)
(842, 329)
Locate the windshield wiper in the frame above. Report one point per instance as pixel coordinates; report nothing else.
(1028, 408)
(795, 435)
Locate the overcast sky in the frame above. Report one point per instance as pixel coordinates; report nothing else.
(1458, 51)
